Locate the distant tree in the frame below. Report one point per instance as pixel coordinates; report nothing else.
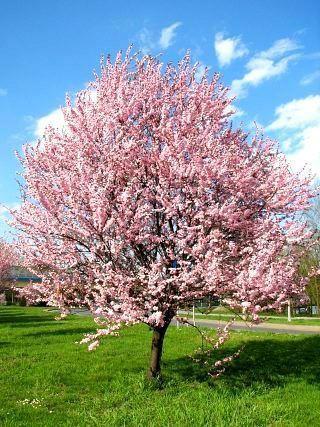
(8, 259)
(149, 199)
(313, 213)
(310, 260)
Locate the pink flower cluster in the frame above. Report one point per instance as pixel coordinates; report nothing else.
(202, 356)
(33, 294)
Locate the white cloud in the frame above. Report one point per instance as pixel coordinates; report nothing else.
(4, 210)
(201, 69)
(146, 42)
(149, 42)
(308, 152)
(297, 124)
(91, 94)
(3, 92)
(310, 78)
(280, 48)
(3, 213)
(265, 65)
(297, 114)
(5, 217)
(259, 69)
(228, 49)
(168, 34)
(236, 111)
(55, 119)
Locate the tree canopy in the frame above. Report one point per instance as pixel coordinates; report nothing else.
(149, 199)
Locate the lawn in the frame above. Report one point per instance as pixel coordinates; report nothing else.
(275, 382)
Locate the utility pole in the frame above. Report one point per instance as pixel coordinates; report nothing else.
(289, 310)
(193, 315)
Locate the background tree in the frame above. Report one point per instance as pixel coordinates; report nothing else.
(310, 261)
(148, 199)
(313, 213)
(8, 259)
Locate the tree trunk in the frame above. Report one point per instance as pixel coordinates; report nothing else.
(154, 370)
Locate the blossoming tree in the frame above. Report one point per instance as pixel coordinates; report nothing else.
(148, 199)
(8, 259)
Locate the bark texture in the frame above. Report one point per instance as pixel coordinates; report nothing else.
(154, 370)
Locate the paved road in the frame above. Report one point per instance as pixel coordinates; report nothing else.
(241, 326)
(263, 327)
(213, 316)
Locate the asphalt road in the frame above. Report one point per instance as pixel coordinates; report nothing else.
(263, 327)
(241, 326)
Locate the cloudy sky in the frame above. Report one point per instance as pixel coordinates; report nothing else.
(267, 52)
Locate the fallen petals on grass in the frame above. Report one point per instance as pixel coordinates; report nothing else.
(35, 403)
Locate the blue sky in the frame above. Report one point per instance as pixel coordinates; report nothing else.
(268, 52)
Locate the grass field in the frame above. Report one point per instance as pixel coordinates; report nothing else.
(275, 382)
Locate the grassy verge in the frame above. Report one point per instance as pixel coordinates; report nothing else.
(275, 382)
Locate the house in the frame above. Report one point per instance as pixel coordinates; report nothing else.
(20, 276)
(17, 277)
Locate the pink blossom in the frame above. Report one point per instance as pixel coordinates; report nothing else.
(93, 345)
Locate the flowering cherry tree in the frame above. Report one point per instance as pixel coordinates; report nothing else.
(148, 199)
(8, 259)
(33, 294)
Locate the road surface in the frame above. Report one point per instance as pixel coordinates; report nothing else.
(262, 327)
(241, 326)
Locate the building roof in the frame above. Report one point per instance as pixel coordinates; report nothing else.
(21, 274)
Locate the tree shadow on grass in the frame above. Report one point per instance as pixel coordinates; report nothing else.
(267, 362)
(64, 331)
(22, 320)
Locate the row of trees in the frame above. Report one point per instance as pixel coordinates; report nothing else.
(149, 199)
(310, 261)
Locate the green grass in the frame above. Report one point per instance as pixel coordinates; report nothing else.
(275, 382)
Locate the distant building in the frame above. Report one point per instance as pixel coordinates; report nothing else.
(17, 277)
(20, 276)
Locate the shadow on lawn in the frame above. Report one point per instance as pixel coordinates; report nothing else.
(64, 331)
(20, 319)
(262, 362)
